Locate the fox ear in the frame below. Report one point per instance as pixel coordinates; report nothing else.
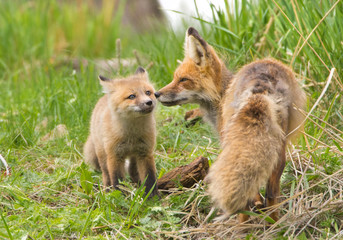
(196, 47)
(102, 78)
(140, 70)
(106, 84)
(144, 74)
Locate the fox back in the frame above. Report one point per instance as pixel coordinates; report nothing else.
(272, 78)
(259, 111)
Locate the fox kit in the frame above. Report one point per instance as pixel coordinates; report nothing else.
(254, 114)
(123, 127)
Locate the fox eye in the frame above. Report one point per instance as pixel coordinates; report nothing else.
(183, 79)
(132, 96)
(148, 93)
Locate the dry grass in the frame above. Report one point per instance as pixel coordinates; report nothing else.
(303, 207)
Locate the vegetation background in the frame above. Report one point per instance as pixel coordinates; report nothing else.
(50, 55)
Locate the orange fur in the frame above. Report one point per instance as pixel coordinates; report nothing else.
(257, 115)
(253, 112)
(201, 80)
(123, 127)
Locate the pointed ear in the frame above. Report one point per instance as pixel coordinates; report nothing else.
(196, 47)
(106, 84)
(102, 78)
(143, 73)
(140, 70)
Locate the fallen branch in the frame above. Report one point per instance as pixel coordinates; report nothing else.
(186, 175)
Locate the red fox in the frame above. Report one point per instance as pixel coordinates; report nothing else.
(253, 112)
(202, 78)
(123, 127)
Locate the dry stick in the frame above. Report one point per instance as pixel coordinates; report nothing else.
(317, 213)
(328, 12)
(137, 57)
(149, 65)
(296, 48)
(263, 39)
(298, 194)
(314, 51)
(118, 232)
(296, 15)
(321, 20)
(333, 136)
(324, 144)
(118, 49)
(333, 127)
(340, 233)
(5, 164)
(302, 171)
(314, 83)
(337, 138)
(307, 144)
(316, 103)
(327, 54)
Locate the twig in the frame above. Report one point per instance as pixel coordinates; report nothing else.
(149, 66)
(316, 103)
(263, 39)
(139, 62)
(321, 20)
(118, 54)
(329, 57)
(326, 145)
(5, 164)
(290, 22)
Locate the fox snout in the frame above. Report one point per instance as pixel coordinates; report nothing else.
(146, 107)
(149, 103)
(170, 97)
(157, 94)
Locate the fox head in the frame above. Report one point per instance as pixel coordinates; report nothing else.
(197, 79)
(131, 96)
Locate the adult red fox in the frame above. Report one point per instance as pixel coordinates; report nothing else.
(123, 127)
(253, 111)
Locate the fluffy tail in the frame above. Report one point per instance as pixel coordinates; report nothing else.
(251, 148)
(90, 155)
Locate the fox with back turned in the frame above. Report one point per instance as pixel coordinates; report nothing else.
(254, 113)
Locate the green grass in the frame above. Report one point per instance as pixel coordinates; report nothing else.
(51, 194)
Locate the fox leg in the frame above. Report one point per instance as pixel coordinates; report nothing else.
(146, 169)
(103, 166)
(133, 170)
(273, 184)
(90, 154)
(116, 169)
(243, 217)
(256, 202)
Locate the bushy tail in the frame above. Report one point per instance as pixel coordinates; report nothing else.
(90, 155)
(251, 147)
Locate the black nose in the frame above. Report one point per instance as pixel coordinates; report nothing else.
(149, 103)
(157, 94)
